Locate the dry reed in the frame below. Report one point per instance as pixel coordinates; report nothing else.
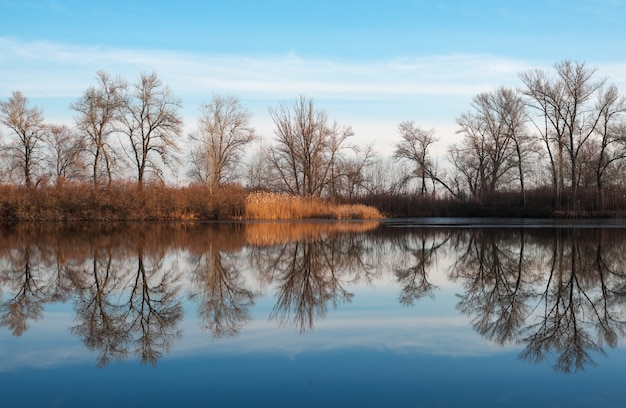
(281, 206)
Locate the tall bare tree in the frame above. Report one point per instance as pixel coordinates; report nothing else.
(224, 130)
(307, 148)
(151, 122)
(97, 111)
(565, 117)
(510, 107)
(610, 140)
(485, 136)
(495, 145)
(384, 176)
(28, 127)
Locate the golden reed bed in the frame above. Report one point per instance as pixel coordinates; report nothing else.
(281, 206)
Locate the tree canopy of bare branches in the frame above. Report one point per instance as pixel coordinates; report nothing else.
(224, 131)
(307, 148)
(565, 117)
(414, 147)
(27, 125)
(150, 120)
(97, 111)
(495, 144)
(65, 153)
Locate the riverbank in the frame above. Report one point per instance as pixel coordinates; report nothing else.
(127, 202)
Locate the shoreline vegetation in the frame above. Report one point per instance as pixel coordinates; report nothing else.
(129, 202)
(71, 202)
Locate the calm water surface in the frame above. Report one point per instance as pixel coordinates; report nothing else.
(404, 313)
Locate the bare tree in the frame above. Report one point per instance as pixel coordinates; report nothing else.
(308, 148)
(414, 147)
(64, 153)
(495, 145)
(510, 107)
(566, 118)
(610, 141)
(28, 127)
(485, 137)
(224, 130)
(97, 111)
(150, 120)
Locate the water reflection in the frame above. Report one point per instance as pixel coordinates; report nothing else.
(122, 310)
(558, 294)
(22, 274)
(220, 289)
(417, 258)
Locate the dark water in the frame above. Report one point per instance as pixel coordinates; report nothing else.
(404, 313)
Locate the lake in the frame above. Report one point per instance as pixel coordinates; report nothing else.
(402, 313)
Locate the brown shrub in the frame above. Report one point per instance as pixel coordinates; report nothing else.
(119, 202)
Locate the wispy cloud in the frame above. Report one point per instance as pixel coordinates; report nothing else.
(45, 69)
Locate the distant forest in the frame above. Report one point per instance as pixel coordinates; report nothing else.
(556, 146)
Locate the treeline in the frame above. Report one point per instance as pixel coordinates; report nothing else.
(554, 146)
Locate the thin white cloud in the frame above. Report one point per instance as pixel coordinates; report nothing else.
(445, 336)
(440, 336)
(45, 69)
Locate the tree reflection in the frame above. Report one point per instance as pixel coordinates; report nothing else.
(121, 311)
(153, 308)
(578, 306)
(307, 282)
(20, 271)
(497, 289)
(101, 324)
(37, 268)
(310, 275)
(421, 253)
(219, 286)
(564, 299)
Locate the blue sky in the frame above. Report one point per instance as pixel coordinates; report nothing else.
(369, 64)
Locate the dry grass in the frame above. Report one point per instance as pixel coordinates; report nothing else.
(280, 206)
